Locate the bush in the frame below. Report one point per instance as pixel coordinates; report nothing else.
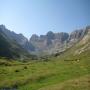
(16, 70)
(25, 67)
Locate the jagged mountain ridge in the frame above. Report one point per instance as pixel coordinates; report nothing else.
(19, 38)
(9, 47)
(49, 43)
(57, 42)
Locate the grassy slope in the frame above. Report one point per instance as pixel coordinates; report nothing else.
(41, 75)
(82, 83)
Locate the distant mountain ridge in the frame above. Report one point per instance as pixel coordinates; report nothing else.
(57, 42)
(12, 44)
(48, 44)
(19, 38)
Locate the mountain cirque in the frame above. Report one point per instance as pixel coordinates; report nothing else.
(49, 43)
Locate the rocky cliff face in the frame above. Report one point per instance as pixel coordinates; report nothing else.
(9, 47)
(19, 38)
(49, 43)
(57, 42)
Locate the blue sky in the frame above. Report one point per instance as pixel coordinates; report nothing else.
(40, 16)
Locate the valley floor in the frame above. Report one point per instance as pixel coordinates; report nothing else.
(58, 73)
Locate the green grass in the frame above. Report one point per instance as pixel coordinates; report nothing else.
(82, 83)
(43, 75)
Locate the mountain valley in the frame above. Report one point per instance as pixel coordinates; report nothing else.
(62, 61)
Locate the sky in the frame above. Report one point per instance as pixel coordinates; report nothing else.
(40, 16)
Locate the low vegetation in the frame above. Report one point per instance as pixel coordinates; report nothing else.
(66, 72)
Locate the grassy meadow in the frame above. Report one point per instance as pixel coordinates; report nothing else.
(65, 72)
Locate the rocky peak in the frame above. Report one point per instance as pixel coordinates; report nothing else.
(50, 35)
(77, 34)
(61, 36)
(43, 37)
(34, 37)
(87, 29)
(2, 27)
(18, 38)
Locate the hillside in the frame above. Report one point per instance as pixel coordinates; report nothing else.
(51, 75)
(48, 44)
(9, 47)
(69, 70)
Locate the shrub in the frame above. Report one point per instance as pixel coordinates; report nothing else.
(25, 67)
(16, 70)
